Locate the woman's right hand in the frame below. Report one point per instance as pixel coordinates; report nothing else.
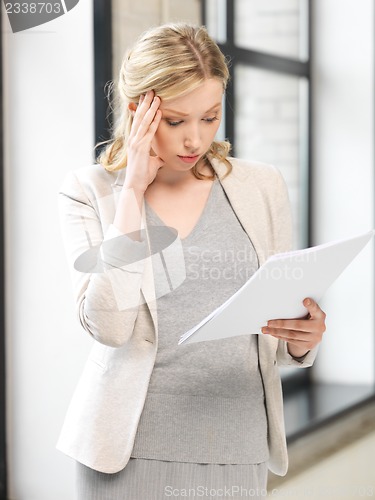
(141, 167)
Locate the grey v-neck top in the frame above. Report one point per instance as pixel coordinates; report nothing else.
(205, 402)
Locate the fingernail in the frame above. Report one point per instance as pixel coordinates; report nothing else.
(307, 302)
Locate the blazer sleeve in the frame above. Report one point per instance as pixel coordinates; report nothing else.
(107, 299)
(285, 359)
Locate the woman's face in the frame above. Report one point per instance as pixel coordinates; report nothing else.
(188, 125)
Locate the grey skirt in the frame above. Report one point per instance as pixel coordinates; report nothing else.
(144, 479)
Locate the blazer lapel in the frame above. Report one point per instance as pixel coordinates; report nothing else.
(246, 201)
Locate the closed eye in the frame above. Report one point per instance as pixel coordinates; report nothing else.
(211, 120)
(174, 124)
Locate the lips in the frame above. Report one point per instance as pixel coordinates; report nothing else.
(189, 159)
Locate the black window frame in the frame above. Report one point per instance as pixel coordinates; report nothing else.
(103, 73)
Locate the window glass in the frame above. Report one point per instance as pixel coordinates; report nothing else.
(276, 26)
(270, 126)
(216, 19)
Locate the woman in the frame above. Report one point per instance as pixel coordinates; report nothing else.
(160, 232)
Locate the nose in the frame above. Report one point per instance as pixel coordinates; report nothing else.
(192, 139)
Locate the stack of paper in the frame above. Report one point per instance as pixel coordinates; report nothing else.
(277, 289)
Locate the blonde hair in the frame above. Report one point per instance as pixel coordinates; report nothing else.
(172, 60)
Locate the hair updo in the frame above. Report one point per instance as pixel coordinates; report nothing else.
(172, 60)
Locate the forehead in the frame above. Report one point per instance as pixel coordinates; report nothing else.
(206, 95)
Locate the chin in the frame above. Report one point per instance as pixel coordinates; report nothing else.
(179, 166)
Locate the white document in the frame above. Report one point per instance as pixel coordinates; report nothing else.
(277, 289)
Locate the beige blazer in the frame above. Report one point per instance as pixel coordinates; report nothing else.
(102, 419)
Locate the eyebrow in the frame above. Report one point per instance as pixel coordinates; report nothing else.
(173, 111)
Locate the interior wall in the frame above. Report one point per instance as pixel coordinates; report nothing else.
(49, 129)
(343, 172)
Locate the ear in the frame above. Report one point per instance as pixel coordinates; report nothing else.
(132, 107)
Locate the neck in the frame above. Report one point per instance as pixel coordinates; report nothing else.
(173, 178)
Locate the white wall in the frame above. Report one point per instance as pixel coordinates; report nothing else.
(49, 130)
(343, 79)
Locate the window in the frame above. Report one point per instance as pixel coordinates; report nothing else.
(268, 118)
(267, 109)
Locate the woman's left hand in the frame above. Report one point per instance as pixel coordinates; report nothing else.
(302, 335)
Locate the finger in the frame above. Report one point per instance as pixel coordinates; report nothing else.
(142, 107)
(300, 339)
(148, 119)
(308, 326)
(287, 334)
(315, 317)
(145, 101)
(144, 104)
(290, 324)
(154, 124)
(303, 325)
(156, 163)
(313, 309)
